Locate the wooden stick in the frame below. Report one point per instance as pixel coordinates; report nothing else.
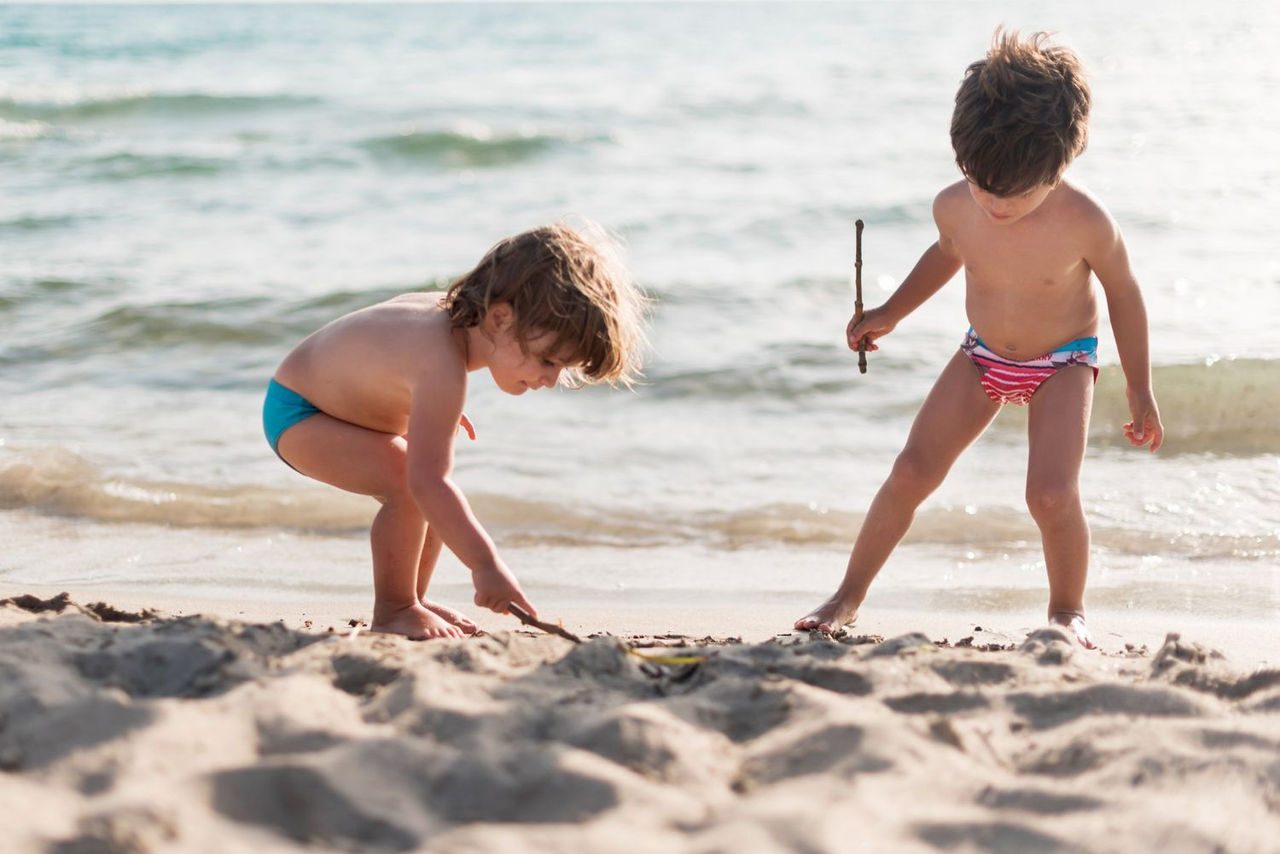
(857, 298)
(549, 628)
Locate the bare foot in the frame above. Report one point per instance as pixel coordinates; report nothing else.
(452, 616)
(829, 617)
(413, 621)
(1073, 622)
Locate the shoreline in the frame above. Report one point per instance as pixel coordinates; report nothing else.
(1247, 644)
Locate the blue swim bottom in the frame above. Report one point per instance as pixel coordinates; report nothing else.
(283, 408)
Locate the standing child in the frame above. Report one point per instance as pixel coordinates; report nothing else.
(1028, 242)
(371, 403)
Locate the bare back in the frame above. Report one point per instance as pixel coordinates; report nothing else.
(1028, 286)
(363, 367)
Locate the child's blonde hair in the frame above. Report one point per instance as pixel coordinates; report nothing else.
(566, 282)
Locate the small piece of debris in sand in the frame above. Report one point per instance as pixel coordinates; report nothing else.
(111, 614)
(36, 605)
(99, 610)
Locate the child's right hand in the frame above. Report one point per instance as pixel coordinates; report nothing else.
(872, 325)
(497, 589)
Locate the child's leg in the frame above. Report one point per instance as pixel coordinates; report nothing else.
(426, 567)
(372, 463)
(427, 563)
(955, 413)
(1058, 428)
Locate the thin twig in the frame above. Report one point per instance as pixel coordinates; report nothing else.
(857, 298)
(550, 628)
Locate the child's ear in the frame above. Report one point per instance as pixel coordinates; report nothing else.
(501, 316)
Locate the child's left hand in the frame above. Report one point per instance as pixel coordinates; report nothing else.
(1145, 427)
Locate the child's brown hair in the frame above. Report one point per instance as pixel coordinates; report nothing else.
(1021, 116)
(566, 282)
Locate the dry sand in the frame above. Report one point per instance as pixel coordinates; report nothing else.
(207, 734)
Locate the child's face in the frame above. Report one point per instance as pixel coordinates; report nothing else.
(1005, 210)
(516, 371)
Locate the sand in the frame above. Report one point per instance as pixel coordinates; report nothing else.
(130, 731)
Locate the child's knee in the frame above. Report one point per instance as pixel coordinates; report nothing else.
(394, 466)
(1049, 501)
(914, 474)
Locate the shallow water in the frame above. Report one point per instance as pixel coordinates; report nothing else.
(187, 191)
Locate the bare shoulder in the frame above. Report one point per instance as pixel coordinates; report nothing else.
(426, 300)
(1086, 214)
(949, 208)
(949, 205)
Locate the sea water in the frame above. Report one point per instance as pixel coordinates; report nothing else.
(187, 191)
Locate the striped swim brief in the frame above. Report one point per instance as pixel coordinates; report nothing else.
(1009, 381)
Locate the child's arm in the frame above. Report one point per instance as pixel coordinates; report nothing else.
(1109, 261)
(939, 263)
(433, 422)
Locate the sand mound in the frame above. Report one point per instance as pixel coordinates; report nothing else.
(204, 734)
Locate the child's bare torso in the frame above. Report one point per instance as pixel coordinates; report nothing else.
(363, 367)
(1027, 284)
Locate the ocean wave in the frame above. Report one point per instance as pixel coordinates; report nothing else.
(72, 104)
(784, 373)
(17, 294)
(32, 222)
(1229, 407)
(58, 481)
(473, 147)
(127, 166)
(232, 322)
(25, 131)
